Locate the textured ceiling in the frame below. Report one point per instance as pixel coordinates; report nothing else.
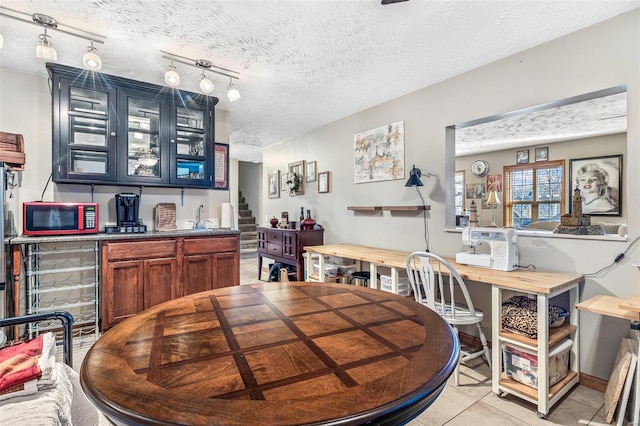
(304, 63)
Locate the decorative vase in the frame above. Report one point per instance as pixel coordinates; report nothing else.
(308, 223)
(274, 222)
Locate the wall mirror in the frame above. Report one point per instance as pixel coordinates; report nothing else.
(588, 125)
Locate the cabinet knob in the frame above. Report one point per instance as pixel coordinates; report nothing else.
(113, 133)
(173, 141)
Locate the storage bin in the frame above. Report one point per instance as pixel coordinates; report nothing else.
(329, 270)
(346, 270)
(404, 288)
(521, 364)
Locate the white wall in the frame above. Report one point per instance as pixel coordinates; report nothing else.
(25, 108)
(601, 56)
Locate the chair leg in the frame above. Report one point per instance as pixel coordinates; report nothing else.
(456, 371)
(485, 346)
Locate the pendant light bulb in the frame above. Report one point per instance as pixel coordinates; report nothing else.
(45, 49)
(232, 93)
(91, 60)
(171, 77)
(206, 85)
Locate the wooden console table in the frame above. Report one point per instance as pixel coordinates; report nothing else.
(286, 246)
(273, 354)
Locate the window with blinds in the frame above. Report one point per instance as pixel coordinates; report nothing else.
(533, 193)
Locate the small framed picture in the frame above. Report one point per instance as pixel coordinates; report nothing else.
(274, 184)
(542, 154)
(283, 181)
(522, 157)
(310, 172)
(323, 182)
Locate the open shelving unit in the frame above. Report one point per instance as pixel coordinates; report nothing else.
(544, 396)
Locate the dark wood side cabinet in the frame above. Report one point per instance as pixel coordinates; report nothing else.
(139, 274)
(286, 246)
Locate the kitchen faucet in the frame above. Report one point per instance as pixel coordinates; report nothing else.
(198, 223)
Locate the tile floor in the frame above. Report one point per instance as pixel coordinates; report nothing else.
(473, 402)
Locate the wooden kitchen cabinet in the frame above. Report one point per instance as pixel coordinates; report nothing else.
(210, 263)
(136, 275)
(139, 274)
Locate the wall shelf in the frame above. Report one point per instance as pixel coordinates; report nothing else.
(388, 208)
(364, 208)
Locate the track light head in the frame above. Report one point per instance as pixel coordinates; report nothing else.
(206, 85)
(232, 93)
(45, 49)
(91, 60)
(171, 77)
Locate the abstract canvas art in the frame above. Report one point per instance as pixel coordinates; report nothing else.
(379, 153)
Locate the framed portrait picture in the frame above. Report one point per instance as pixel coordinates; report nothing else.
(599, 180)
(542, 154)
(273, 184)
(474, 190)
(323, 182)
(283, 181)
(296, 178)
(522, 156)
(494, 183)
(310, 172)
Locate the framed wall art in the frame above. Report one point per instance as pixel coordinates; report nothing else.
(221, 166)
(542, 154)
(273, 182)
(323, 182)
(522, 156)
(283, 181)
(295, 178)
(600, 182)
(310, 172)
(379, 153)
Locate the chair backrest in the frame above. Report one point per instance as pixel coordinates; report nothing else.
(433, 281)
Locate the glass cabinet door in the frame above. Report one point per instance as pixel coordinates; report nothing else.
(90, 140)
(189, 158)
(143, 138)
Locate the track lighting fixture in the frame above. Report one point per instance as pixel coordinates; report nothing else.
(91, 60)
(206, 85)
(45, 49)
(171, 77)
(232, 93)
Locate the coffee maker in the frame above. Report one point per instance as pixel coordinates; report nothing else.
(127, 208)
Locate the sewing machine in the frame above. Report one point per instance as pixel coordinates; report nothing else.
(503, 245)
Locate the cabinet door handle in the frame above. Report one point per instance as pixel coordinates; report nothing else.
(173, 141)
(113, 133)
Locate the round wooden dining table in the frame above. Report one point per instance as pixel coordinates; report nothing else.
(273, 354)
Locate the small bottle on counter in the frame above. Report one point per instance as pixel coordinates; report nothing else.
(301, 214)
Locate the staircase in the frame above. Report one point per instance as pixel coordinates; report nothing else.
(247, 225)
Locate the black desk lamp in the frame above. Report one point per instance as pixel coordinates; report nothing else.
(414, 177)
(414, 180)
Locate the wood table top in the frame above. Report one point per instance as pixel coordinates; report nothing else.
(528, 280)
(273, 354)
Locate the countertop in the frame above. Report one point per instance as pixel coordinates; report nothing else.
(23, 239)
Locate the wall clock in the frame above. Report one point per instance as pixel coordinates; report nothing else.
(480, 168)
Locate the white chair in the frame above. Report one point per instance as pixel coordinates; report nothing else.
(430, 275)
